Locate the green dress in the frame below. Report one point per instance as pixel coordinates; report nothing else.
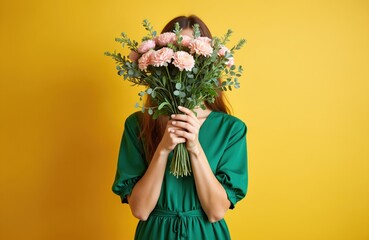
(178, 213)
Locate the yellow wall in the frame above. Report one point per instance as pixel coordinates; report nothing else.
(304, 98)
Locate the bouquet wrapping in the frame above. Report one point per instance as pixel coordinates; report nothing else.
(178, 70)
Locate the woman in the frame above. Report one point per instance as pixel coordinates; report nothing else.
(190, 207)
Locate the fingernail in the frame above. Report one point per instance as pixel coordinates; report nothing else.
(179, 107)
(172, 116)
(174, 122)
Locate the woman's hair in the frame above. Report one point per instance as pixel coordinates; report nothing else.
(153, 130)
(188, 22)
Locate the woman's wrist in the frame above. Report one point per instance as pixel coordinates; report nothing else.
(195, 151)
(162, 151)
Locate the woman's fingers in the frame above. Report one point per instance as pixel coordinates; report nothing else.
(188, 120)
(185, 135)
(185, 125)
(187, 111)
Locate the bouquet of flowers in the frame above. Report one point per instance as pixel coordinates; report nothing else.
(178, 70)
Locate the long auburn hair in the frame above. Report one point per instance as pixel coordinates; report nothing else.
(152, 130)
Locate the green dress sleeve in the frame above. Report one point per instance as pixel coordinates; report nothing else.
(131, 159)
(232, 168)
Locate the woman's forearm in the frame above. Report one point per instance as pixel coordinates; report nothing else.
(146, 192)
(212, 196)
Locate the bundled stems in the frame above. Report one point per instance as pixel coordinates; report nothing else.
(180, 165)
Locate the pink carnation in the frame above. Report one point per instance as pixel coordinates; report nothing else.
(133, 56)
(162, 57)
(204, 39)
(146, 46)
(165, 38)
(186, 40)
(201, 47)
(230, 62)
(222, 51)
(183, 60)
(145, 60)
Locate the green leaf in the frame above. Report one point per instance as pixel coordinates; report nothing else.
(182, 94)
(178, 86)
(149, 91)
(150, 111)
(157, 113)
(162, 105)
(176, 92)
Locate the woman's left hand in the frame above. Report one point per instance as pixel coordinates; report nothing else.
(189, 126)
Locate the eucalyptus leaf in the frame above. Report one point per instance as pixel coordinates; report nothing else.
(178, 86)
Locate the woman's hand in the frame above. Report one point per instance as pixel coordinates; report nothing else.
(170, 139)
(186, 128)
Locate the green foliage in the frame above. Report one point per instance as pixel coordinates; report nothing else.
(196, 31)
(125, 40)
(239, 45)
(152, 33)
(225, 39)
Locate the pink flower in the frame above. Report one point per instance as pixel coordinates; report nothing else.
(146, 46)
(201, 47)
(162, 57)
(186, 40)
(133, 56)
(204, 39)
(183, 60)
(222, 51)
(230, 62)
(145, 60)
(165, 38)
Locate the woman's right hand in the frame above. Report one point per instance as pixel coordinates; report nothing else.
(170, 139)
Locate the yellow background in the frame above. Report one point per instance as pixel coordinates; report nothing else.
(304, 97)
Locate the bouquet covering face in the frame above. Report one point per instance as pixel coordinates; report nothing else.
(178, 70)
